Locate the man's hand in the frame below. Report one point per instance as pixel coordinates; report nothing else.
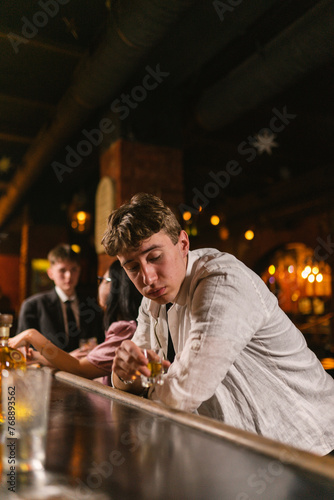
(130, 362)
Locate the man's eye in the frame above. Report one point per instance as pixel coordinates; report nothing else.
(153, 259)
(132, 269)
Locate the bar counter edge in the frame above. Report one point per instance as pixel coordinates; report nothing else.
(323, 466)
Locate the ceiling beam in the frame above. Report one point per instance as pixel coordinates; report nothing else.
(16, 138)
(136, 27)
(21, 101)
(51, 46)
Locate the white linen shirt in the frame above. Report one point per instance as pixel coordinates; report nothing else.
(239, 358)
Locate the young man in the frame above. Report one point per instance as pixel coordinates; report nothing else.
(238, 358)
(60, 314)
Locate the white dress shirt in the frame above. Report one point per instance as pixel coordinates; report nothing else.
(239, 358)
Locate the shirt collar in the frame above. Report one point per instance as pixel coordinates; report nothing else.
(181, 297)
(62, 295)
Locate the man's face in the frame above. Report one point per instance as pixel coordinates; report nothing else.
(65, 274)
(158, 267)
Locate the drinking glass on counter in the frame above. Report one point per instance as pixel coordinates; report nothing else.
(25, 406)
(155, 358)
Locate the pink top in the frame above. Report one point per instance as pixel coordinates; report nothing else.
(103, 354)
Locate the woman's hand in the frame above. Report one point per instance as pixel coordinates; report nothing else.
(22, 339)
(27, 338)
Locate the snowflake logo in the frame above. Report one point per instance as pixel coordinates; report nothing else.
(265, 142)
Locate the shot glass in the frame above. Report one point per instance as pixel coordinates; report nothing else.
(25, 405)
(155, 358)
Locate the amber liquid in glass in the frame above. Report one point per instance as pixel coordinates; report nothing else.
(155, 367)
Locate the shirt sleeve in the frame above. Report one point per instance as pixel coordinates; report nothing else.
(226, 308)
(103, 354)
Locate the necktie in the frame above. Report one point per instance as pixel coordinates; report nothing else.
(170, 347)
(73, 330)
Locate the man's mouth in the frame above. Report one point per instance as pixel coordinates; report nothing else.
(157, 292)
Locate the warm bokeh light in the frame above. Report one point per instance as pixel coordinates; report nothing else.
(271, 269)
(81, 217)
(303, 284)
(249, 235)
(186, 215)
(215, 220)
(224, 233)
(76, 248)
(328, 363)
(81, 221)
(40, 264)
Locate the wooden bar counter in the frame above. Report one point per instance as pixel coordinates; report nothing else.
(104, 444)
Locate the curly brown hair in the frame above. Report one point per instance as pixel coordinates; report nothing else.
(137, 220)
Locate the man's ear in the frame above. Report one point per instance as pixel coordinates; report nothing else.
(184, 243)
(50, 272)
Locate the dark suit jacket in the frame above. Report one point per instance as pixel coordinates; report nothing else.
(43, 312)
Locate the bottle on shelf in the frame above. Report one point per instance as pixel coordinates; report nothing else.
(10, 359)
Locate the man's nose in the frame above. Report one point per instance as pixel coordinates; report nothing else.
(149, 274)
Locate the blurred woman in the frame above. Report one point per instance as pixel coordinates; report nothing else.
(120, 300)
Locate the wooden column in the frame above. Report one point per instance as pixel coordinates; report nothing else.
(135, 167)
(25, 272)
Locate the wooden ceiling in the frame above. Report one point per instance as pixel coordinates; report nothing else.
(230, 70)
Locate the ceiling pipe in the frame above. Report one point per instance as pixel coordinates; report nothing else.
(218, 32)
(135, 28)
(301, 48)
